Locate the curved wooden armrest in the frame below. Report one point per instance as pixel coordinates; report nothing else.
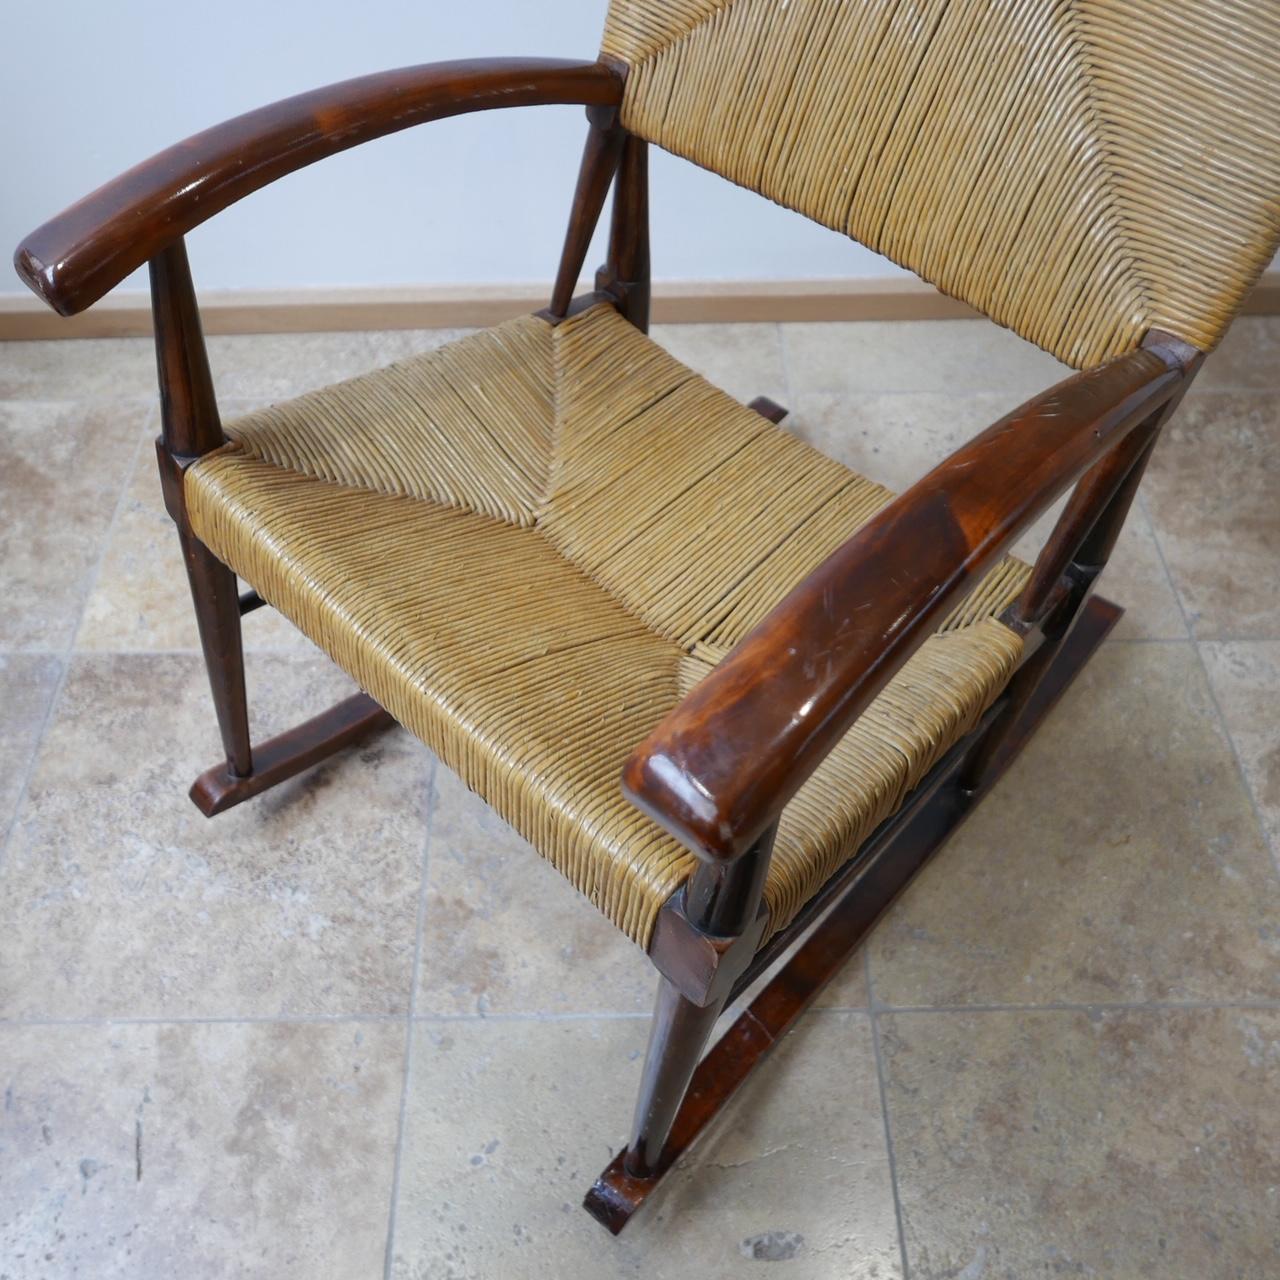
(722, 765)
(73, 259)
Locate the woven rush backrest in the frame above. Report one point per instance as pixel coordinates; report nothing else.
(1078, 170)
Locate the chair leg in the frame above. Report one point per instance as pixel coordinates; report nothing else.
(248, 772)
(846, 910)
(678, 1034)
(217, 603)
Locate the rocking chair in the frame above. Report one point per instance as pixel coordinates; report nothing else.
(561, 558)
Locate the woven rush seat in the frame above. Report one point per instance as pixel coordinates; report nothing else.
(529, 544)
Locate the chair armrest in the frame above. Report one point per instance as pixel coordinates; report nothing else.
(75, 258)
(718, 770)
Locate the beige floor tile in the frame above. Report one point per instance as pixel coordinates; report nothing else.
(78, 369)
(505, 932)
(1247, 360)
(62, 468)
(958, 357)
(1118, 860)
(229, 1149)
(1121, 1144)
(1246, 681)
(27, 683)
(743, 359)
(1211, 493)
(896, 439)
(141, 600)
(508, 1123)
(119, 899)
(264, 367)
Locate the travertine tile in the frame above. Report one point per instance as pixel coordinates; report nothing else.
(117, 898)
(505, 932)
(1118, 860)
(197, 1150)
(141, 600)
(27, 683)
(507, 1124)
(743, 359)
(1211, 493)
(86, 369)
(263, 367)
(958, 357)
(896, 439)
(1118, 1144)
(1246, 681)
(62, 468)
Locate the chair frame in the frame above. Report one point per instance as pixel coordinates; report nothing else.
(719, 769)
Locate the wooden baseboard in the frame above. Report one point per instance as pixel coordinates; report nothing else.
(127, 315)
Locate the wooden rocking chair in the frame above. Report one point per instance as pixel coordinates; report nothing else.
(561, 558)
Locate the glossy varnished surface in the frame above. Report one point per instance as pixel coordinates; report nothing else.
(74, 258)
(723, 764)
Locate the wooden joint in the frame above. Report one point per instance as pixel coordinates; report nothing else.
(628, 296)
(1173, 349)
(583, 302)
(173, 467)
(603, 116)
(702, 966)
(290, 753)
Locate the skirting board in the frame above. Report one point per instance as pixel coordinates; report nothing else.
(314, 310)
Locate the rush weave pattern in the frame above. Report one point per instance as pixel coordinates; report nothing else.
(529, 544)
(1079, 170)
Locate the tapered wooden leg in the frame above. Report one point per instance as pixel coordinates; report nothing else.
(677, 1036)
(837, 919)
(217, 602)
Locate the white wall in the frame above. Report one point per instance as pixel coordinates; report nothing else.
(90, 88)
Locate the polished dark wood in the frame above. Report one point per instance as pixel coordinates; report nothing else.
(600, 155)
(288, 754)
(724, 903)
(1095, 513)
(189, 416)
(250, 601)
(1089, 499)
(191, 427)
(73, 259)
(718, 770)
(888, 864)
(626, 272)
(767, 408)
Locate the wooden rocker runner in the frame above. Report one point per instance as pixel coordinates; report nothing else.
(736, 693)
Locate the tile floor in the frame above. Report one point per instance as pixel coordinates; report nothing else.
(325, 1035)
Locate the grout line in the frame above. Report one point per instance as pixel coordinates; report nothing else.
(159, 1020)
(407, 1070)
(873, 1015)
(1067, 1006)
(69, 402)
(322, 1019)
(1223, 723)
(68, 650)
(590, 1015)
